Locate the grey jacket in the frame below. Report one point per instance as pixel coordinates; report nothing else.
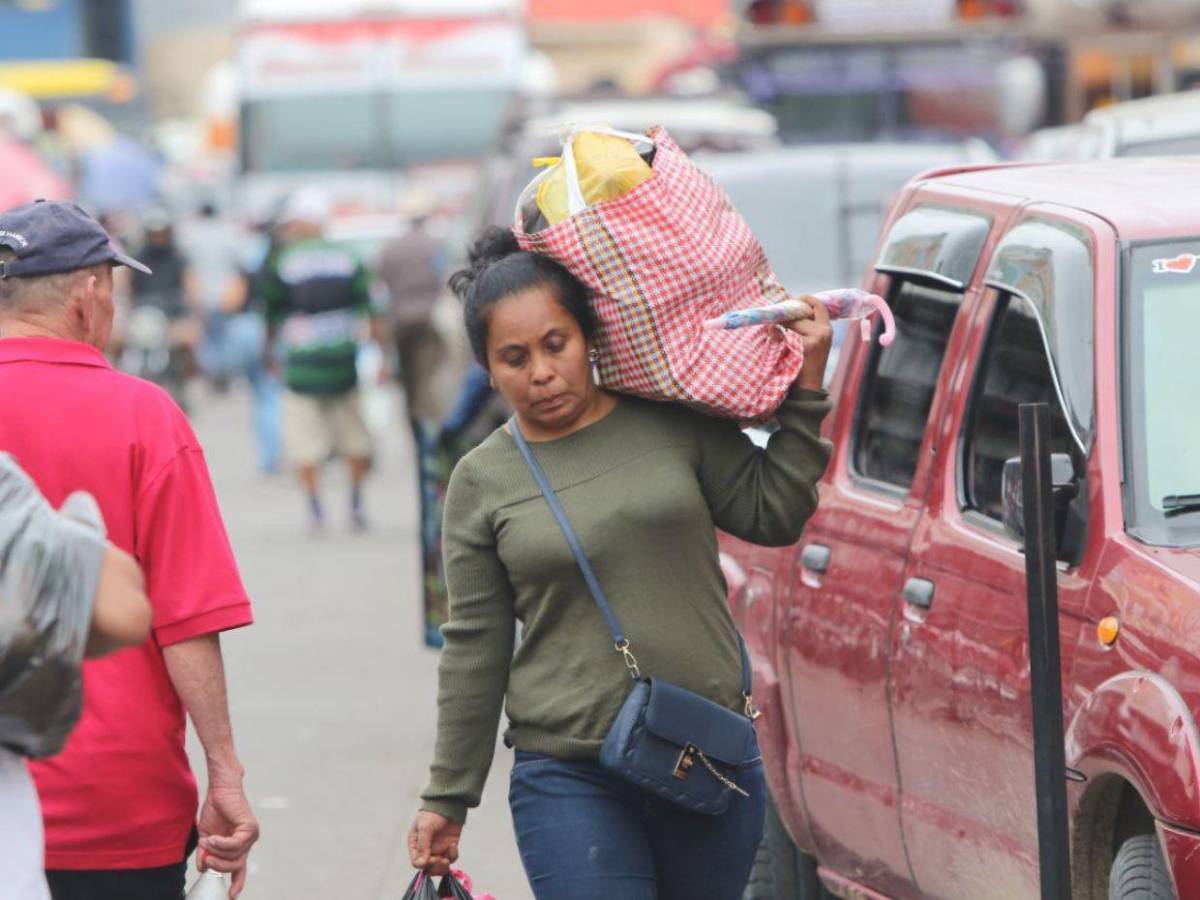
(49, 567)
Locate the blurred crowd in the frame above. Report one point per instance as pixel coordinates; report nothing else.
(309, 276)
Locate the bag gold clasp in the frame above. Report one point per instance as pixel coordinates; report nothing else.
(753, 713)
(687, 759)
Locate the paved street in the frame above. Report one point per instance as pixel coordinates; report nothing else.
(331, 689)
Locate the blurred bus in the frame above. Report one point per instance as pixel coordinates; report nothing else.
(369, 103)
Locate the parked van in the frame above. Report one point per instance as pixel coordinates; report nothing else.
(890, 645)
(1164, 125)
(817, 208)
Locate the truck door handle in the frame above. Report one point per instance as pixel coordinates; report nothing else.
(815, 558)
(918, 592)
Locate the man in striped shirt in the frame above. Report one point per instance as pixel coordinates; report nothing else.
(318, 297)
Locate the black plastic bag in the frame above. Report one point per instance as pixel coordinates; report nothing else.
(450, 887)
(49, 567)
(421, 888)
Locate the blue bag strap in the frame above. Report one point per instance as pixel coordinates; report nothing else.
(564, 523)
(589, 576)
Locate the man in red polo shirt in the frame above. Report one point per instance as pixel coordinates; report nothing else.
(120, 801)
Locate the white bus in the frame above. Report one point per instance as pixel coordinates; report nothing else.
(366, 98)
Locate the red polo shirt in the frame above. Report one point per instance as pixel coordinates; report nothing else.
(120, 794)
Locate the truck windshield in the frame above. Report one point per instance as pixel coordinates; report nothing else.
(1162, 382)
(369, 130)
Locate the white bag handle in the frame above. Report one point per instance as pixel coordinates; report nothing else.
(518, 224)
(575, 200)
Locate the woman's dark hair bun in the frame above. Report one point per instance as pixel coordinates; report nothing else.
(497, 267)
(492, 246)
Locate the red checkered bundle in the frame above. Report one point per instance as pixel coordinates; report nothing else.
(660, 260)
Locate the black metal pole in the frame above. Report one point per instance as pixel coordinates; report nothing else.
(1045, 667)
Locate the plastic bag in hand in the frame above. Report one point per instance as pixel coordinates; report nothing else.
(49, 566)
(460, 883)
(422, 888)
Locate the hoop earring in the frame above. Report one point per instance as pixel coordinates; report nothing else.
(594, 359)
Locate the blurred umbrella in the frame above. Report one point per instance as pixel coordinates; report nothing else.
(119, 176)
(24, 177)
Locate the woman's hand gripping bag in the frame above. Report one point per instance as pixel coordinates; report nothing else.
(660, 260)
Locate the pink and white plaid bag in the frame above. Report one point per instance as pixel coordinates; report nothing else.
(660, 260)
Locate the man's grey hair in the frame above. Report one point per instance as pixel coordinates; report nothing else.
(37, 293)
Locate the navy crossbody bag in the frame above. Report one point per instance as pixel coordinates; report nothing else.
(666, 739)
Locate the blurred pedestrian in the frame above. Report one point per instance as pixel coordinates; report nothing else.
(463, 428)
(475, 393)
(165, 286)
(161, 333)
(248, 350)
(409, 266)
(65, 593)
(120, 801)
(213, 247)
(645, 484)
(318, 296)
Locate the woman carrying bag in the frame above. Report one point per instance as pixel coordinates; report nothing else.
(590, 519)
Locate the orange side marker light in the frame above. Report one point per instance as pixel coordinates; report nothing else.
(1108, 629)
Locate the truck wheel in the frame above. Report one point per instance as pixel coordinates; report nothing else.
(1139, 872)
(781, 871)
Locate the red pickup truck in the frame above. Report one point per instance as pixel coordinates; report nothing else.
(890, 645)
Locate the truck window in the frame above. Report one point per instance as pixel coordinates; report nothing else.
(1050, 264)
(1013, 369)
(900, 383)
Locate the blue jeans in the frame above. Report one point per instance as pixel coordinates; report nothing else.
(585, 834)
(234, 346)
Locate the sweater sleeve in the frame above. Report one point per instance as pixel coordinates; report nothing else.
(766, 496)
(474, 666)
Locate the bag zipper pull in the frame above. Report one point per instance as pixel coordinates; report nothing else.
(717, 775)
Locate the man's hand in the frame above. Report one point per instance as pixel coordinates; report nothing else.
(433, 842)
(234, 295)
(187, 331)
(228, 829)
(227, 825)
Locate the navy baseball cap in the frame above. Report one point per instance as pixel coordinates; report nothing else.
(51, 236)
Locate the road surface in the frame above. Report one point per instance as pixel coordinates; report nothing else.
(332, 692)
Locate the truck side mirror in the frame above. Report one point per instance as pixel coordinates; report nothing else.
(1065, 484)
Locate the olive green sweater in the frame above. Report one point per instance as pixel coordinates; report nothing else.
(644, 488)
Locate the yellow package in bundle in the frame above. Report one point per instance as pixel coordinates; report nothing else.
(607, 166)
